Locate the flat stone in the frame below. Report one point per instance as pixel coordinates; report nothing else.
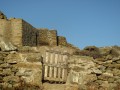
(97, 71)
(9, 86)
(108, 74)
(99, 81)
(105, 84)
(116, 72)
(115, 66)
(6, 46)
(7, 72)
(14, 70)
(1, 57)
(111, 80)
(1, 62)
(112, 86)
(118, 62)
(1, 79)
(101, 77)
(116, 58)
(5, 65)
(89, 78)
(102, 68)
(109, 57)
(118, 80)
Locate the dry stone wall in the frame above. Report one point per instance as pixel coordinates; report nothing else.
(42, 39)
(29, 34)
(95, 74)
(52, 37)
(20, 33)
(20, 71)
(47, 37)
(23, 67)
(16, 28)
(62, 41)
(11, 30)
(5, 28)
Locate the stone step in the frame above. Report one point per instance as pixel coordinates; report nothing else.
(48, 86)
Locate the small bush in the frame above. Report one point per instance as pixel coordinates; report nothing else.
(91, 51)
(114, 52)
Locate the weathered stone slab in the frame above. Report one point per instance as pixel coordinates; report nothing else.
(6, 46)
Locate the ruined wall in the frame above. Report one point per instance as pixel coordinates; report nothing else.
(20, 33)
(42, 39)
(20, 71)
(5, 29)
(16, 28)
(2, 16)
(52, 37)
(29, 34)
(62, 41)
(10, 30)
(47, 37)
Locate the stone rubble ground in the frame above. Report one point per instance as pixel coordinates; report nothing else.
(21, 67)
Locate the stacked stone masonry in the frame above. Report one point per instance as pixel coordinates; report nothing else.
(62, 41)
(47, 37)
(21, 33)
(26, 65)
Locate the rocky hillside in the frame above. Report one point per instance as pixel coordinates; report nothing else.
(92, 68)
(39, 59)
(96, 68)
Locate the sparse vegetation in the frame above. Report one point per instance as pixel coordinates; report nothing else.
(91, 51)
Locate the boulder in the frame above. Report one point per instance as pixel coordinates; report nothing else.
(6, 45)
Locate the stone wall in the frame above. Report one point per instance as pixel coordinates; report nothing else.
(29, 34)
(17, 70)
(16, 28)
(20, 33)
(98, 74)
(42, 39)
(10, 30)
(52, 37)
(62, 41)
(47, 37)
(5, 29)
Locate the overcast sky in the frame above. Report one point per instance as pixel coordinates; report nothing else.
(82, 22)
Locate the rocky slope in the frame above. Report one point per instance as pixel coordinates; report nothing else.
(89, 69)
(96, 68)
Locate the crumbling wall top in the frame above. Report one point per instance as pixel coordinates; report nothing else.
(2, 16)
